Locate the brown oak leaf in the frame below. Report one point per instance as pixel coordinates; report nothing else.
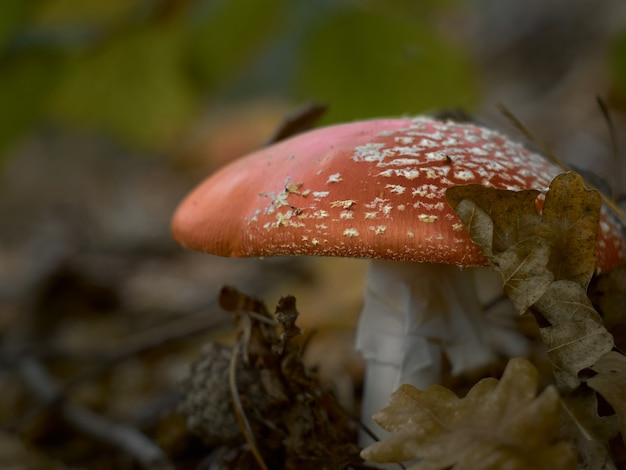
(576, 337)
(504, 224)
(586, 431)
(546, 259)
(499, 424)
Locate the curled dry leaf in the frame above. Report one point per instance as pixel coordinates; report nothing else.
(501, 223)
(576, 337)
(528, 248)
(499, 424)
(546, 261)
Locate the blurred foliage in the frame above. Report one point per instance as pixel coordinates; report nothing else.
(143, 70)
(232, 34)
(13, 11)
(133, 87)
(618, 62)
(86, 13)
(26, 80)
(364, 63)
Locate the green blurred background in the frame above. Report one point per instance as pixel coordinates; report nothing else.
(144, 71)
(150, 74)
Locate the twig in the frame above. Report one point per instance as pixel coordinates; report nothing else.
(604, 108)
(300, 120)
(244, 424)
(519, 125)
(142, 342)
(163, 334)
(617, 212)
(151, 339)
(246, 335)
(120, 436)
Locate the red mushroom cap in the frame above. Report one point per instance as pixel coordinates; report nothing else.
(371, 189)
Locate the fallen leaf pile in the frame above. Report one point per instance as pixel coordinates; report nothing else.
(546, 260)
(259, 392)
(498, 424)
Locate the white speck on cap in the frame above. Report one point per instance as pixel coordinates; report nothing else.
(334, 178)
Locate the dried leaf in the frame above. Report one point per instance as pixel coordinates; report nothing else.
(503, 223)
(577, 337)
(287, 418)
(232, 300)
(477, 221)
(286, 315)
(571, 214)
(530, 249)
(610, 382)
(587, 432)
(524, 273)
(546, 262)
(512, 214)
(499, 424)
(609, 294)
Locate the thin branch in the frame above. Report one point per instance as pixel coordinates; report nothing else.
(300, 120)
(617, 212)
(151, 339)
(604, 108)
(148, 340)
(519, 125)
(244, 424)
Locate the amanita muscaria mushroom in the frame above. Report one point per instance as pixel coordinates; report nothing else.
(376, 189)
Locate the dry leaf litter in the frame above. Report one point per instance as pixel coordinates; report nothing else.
(259, 392)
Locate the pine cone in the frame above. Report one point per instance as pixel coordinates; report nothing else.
(206, 401)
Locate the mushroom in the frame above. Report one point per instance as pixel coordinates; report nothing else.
(376, 189)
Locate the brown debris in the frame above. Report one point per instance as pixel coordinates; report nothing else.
(284, 415)
(547, 260)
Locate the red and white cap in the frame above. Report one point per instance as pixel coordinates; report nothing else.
(370, 189)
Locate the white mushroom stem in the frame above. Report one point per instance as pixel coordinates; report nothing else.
(413, 313)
